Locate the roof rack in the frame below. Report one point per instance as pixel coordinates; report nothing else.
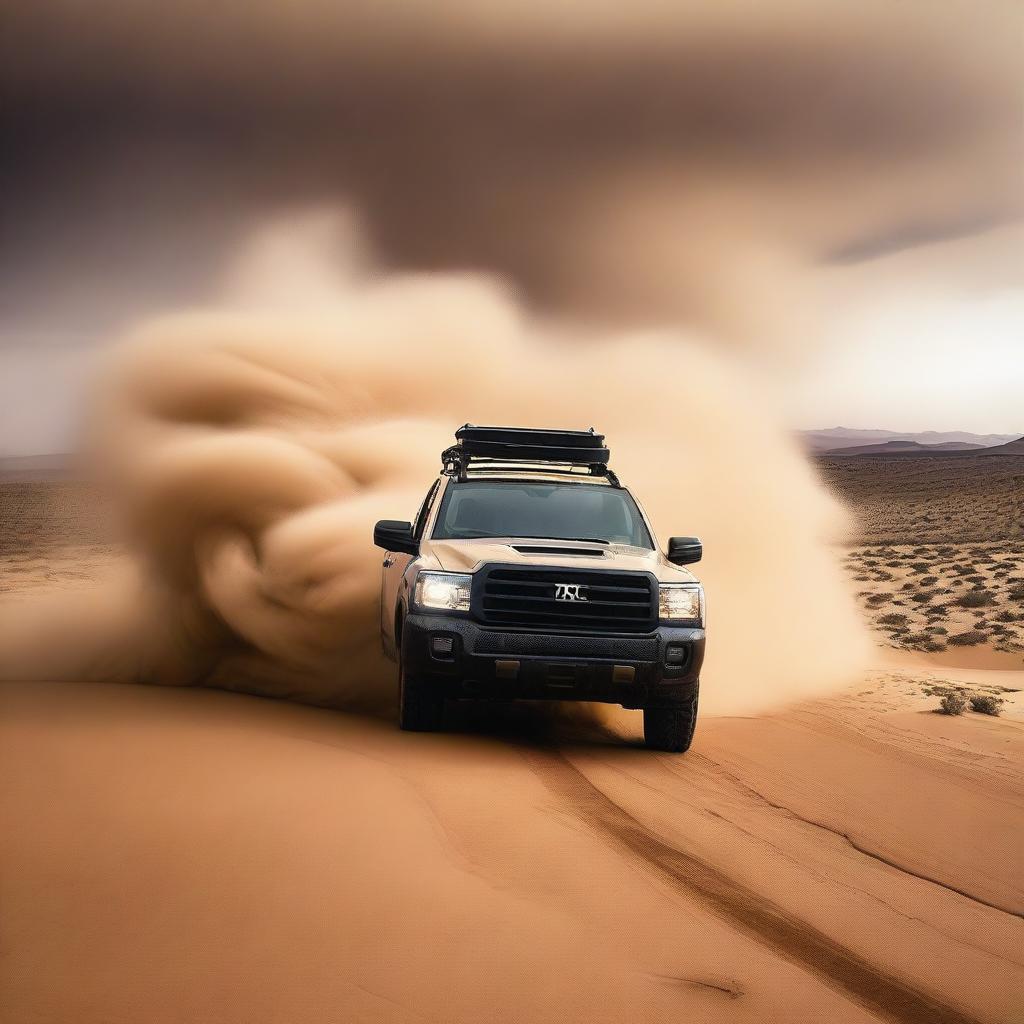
(517, 449)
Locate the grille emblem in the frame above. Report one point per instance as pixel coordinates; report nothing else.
(569, 592)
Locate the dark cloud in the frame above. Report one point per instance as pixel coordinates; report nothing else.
(144, 138)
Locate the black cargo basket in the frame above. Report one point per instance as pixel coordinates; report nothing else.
(558, 451)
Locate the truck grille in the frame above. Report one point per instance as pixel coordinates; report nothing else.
(615, 601)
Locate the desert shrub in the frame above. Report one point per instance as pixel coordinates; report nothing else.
(927, 581)
(1006, 616)
(909, 586)
(963, 569)
(877, 600)
(970, 638)
(920, 567)
(881, 576)
(986, 705)
(953, 703)
(923, 596)
(894, 619)
(1015, 593)
(931, 646)
(937, 630)
(975, 599)
(916, 638)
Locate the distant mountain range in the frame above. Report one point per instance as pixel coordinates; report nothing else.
(905, 448)
(853, 441)
(1015, 447)
(35, 467)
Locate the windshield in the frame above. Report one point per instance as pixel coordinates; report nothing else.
(549, 511)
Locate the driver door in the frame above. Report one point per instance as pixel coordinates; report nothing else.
(393, 569)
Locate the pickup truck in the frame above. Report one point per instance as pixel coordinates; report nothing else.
(531, 572)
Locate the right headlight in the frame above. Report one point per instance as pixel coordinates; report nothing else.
(443, 591)
(681, 603)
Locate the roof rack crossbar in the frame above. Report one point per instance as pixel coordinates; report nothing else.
(514, 449)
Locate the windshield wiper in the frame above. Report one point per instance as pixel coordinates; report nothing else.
(480, 535)
(582, 540)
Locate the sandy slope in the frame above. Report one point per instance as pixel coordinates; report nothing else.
(193, 855)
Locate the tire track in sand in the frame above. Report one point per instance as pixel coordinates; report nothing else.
(762, 919)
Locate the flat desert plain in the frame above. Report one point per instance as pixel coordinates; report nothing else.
(184, 854)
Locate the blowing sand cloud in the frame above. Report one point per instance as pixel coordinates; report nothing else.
(625, 168)
(252, 447)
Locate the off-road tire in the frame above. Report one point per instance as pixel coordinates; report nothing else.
(420, 704)
(671, 728)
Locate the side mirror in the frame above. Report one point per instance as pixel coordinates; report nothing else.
(685, 550)
(394, 535)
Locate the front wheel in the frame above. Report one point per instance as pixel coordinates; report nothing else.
(420, 704)
(671, 728)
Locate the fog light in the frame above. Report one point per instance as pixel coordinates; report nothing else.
(675, 654)
(442, 646)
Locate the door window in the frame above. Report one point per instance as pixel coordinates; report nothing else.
(421, 517)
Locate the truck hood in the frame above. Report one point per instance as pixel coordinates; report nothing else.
(469, 555)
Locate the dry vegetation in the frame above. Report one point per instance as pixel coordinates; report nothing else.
(929, 597)
(940, 558)
(52, 534)
(931, 500)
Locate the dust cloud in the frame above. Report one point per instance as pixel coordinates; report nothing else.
(252, 447)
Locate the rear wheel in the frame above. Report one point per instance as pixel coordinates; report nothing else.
(420, 703)
(671, 728)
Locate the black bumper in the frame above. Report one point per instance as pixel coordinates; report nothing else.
(635, 670)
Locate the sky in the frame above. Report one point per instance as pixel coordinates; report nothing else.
(831, 190)
(952, 363)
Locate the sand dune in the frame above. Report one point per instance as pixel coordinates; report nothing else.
(216, 857)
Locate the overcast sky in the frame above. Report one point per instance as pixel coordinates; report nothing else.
(836, 187)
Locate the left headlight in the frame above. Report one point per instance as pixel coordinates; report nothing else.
(681, 602)
(443, 591)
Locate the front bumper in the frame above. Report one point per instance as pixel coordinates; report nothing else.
(635, 670)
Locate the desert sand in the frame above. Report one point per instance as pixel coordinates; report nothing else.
(189, 854)
(195, 855)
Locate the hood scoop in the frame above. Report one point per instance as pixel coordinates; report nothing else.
(548, 549)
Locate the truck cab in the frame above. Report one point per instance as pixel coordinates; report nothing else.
(531, 572)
